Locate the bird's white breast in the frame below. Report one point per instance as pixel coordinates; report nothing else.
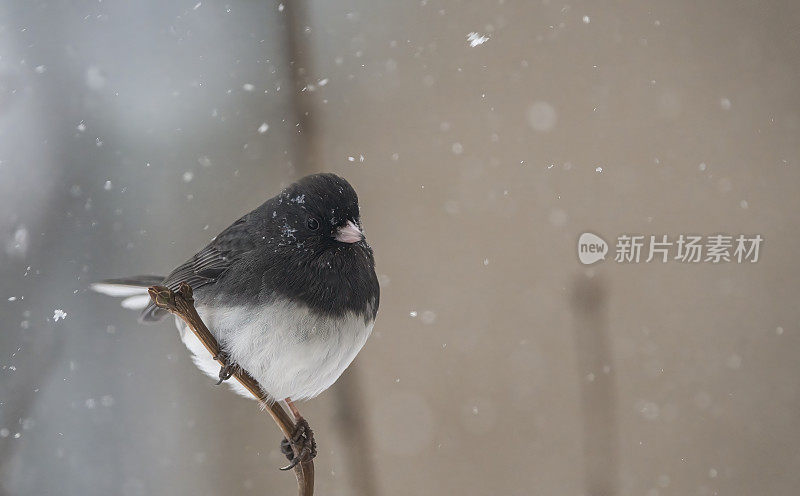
(291, 351)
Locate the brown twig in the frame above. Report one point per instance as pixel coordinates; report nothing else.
(181, 303)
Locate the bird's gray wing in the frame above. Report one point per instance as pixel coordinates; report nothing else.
(207, 265)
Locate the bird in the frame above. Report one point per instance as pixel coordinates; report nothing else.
(289, 291)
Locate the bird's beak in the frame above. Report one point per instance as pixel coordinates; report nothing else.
(349, 233)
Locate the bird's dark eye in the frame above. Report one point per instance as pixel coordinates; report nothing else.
(313, 224)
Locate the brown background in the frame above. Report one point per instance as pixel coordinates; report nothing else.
(499, 364)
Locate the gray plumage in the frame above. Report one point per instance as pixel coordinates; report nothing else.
(289, 289)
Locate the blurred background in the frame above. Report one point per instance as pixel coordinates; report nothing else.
(483, 139)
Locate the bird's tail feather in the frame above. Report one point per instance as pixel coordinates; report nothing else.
(133, 290)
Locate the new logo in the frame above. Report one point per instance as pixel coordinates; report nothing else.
(591, 248)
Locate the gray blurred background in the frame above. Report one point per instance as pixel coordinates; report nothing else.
(131, 132)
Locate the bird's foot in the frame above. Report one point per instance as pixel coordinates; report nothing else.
(228, 368)
(303, 440)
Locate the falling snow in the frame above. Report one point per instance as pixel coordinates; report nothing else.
(17, 246)
(95, 79)
(542, 116)
(476, 39)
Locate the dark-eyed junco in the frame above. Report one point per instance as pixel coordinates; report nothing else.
(289, 290)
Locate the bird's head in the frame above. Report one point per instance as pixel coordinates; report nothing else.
(320, 212)
(318, 249)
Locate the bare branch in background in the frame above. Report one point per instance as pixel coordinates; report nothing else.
(297, 54)
(596, 374)
(347, 391)
(181, 303)
(352, 431)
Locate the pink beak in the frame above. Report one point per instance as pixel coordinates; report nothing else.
(349, 233)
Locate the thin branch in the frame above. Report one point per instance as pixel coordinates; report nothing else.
(181, 303)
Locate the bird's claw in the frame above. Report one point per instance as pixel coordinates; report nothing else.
(303, 439)
(286, 449)
(227, 370)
